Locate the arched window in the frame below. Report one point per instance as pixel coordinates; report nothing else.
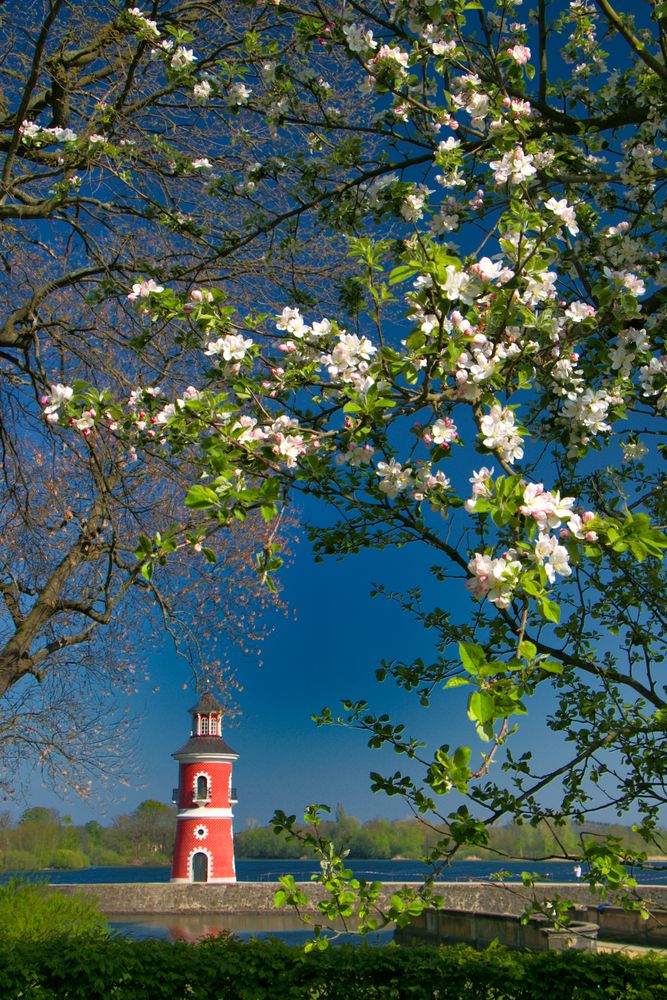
(202, 788)
(214, 726)
(203, 726)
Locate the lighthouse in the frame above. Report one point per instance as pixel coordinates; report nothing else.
(204, 847)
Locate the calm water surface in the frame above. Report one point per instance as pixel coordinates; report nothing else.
(267, 870)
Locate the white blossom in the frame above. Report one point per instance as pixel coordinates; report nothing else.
(358, 38)
(238, 94)
(515, 166)
(394, 479)
(494, 578)
(144, 288)
(183, 58)
(564, 211)
(202, 91)
(232, 347)
(499, 433)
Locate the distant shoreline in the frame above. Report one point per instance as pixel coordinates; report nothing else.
(473, 859)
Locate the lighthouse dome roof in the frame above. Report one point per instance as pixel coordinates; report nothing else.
(206, 745)
(207, 703)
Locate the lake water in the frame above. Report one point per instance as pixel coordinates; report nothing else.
(286, 925)
(268, 870)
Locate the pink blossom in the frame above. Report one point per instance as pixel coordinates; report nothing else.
(143, 289)
(520, 54)
(577, 312)
(494, 578)
(515, 166)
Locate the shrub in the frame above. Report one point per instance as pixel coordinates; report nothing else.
(228, 969)
(18, 861)
(32, 912)
(64, 858)
(107, 858)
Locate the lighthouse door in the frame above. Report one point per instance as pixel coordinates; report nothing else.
(200, 867)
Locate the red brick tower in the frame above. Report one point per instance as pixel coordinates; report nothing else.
(204, 847)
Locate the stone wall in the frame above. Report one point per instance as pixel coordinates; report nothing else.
(461, 899)
(480, 929)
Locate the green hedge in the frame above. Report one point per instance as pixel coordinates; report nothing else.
(227, 969)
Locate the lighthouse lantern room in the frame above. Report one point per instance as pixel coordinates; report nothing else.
(204, 847)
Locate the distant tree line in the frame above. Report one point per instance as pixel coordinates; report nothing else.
(42, 838)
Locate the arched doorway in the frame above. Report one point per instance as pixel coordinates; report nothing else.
(200, 867)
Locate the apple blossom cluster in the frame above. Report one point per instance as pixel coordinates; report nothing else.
(414, 203)
(348, 360)
(443, 432)
(547, 509)
(653, 380)
(52, 401)
(144, 288)
(586, 414)
(514, 167)
(495, 579)
(232, 347)
(144, 26)
(420, 482)
(553, 556)
(356, 455)
(31, 132)
(359, 39)
(565, 212)
(477, 365)
(59, 396)
(498, 578)
(238, 94)
(283, 436)
(499, 433)
(389, 55)
(481, 489)
(467, 94)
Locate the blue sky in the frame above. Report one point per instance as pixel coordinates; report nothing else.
(327, 648)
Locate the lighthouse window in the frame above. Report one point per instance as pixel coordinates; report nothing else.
(214, 727)
(204, 727)
(202, 787)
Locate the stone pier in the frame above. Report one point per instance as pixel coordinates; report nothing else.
(473, 910)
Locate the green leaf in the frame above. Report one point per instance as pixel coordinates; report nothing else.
(472, 656)
(402, 273)
(551, 666)
(481, 707)
(550, 610)
(201, 497)
(527, 649)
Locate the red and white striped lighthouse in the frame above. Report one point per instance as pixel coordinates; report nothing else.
(204, 847)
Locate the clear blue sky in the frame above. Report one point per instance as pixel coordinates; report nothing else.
(326, 649)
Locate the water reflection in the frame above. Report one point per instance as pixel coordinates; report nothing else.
(194, 926)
